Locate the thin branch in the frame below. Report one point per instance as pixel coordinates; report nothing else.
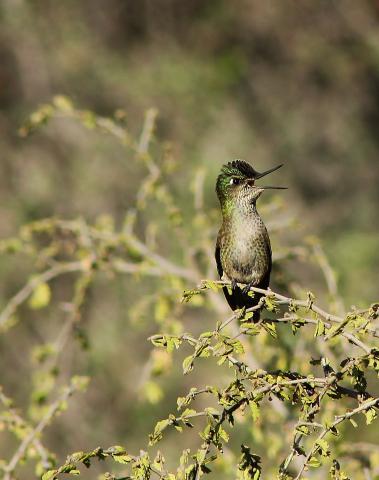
(23, 294)
(54, 408)
(309, 305)
(363, 407)
(42, 451)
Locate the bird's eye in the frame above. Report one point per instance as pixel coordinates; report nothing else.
(234, 181)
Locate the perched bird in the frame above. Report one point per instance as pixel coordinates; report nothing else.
(243, 250)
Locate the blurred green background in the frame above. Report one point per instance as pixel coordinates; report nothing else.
(276, 81)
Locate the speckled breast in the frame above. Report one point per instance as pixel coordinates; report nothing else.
(246, 252)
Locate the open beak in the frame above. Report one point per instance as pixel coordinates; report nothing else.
(257, 175)
(260, 175)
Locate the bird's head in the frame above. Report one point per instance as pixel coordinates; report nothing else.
(235, 186)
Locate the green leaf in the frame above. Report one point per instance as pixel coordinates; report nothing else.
(124, 459)
(249, 464)
(40, 297)
(88, 119)
(255, 411)
(353, 422)
(223, 434)
(49, 475)
(310, 298)
(153, 392)
(370, 415)
(238, 347)
(320, 328)
(250, 328)
(170, 345)
(162, 309)
(270, 328)
(211, 285)
(303, 429)
(80, 382)
(77, 456)
(68, 468)
(207, 334)
(62, 103)
(314, 462)
(188, 412)
(188, 294)
(159, 428)
(188, 364)
(324, 447)
(200, 455)
(270, 303)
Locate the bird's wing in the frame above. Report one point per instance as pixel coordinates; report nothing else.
(218, 258)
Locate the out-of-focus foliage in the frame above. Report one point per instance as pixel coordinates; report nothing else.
(91, 204)
(282, 390)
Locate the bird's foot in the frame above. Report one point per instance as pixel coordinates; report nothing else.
(246, 289)
(233, 284)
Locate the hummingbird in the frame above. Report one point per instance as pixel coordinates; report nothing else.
(243, 250)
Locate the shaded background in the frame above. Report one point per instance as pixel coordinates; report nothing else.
(267, 81)
(293, 82)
